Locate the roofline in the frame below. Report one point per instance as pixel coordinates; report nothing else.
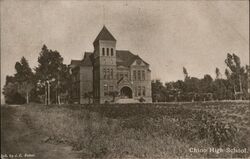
(104, 27)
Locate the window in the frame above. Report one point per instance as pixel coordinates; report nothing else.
(103, 51)
(134, 74)
(111, 88)
(105, 87)
(112, 53)
(143, 75)
(139, 90)
(104, 73)
(77, 91)
(108, 75)
(126, 75)
(107, 51)
(121, 75)
(139, 75)
(136, 91)
(143, 91)
(111, 73)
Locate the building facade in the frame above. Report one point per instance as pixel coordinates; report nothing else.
(110, 75)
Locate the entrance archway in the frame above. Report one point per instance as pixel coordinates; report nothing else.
(126, 92)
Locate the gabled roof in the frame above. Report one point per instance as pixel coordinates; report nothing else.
(123, 58)
(86, 61)
(74, 63)
(126, 58)
(104, 35)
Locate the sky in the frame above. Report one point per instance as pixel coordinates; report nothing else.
(169, 35)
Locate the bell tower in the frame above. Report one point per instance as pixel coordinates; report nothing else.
(104, 80)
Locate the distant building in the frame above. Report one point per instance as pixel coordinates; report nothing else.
(107, 72)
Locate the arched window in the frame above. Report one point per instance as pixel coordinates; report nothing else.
(107, 51)
(103, 51)
(112, 52)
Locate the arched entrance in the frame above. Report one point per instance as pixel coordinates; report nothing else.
(126, 92)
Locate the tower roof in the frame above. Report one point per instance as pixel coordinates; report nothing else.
(104, 35)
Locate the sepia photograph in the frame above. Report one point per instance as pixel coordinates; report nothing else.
(127, 79)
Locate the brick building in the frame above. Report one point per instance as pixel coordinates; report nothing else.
(107, 71)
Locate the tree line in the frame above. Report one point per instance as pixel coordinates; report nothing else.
(30, 85)
(52, 79)
(233, 87)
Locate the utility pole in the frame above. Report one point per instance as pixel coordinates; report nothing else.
(48, 92)
(241, 91)
(45, 97)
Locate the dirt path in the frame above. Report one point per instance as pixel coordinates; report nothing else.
(19, 140)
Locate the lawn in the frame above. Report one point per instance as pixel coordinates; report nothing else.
(145, 130)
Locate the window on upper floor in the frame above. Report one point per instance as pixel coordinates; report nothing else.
(143, 91)
(111, 73)
(134, 74)
(126, 75)
(139, 75)
(108, 73)
(103, 51)
(143, 75)
(112, 52)
(104, 73)
(107, 51)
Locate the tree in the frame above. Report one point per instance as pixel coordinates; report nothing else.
(10, 92)
(89, 95)
(113, 94)
(237, 72)
(51, 68)
(185, 73)
(24, 78)
(157, 88)
(206, 84)
(63, 82)
(227, 73)
(49, 63)
(217, 72)
(234, 86)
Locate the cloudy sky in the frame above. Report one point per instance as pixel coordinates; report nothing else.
(167, 34)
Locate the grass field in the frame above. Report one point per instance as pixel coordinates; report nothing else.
(167, 130)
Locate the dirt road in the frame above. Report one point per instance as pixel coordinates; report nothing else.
(20, 140)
